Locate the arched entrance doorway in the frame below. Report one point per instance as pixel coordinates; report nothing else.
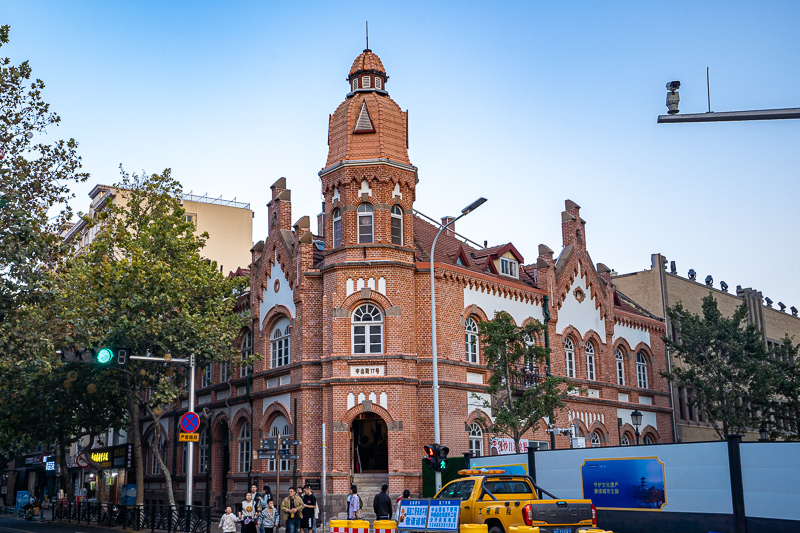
(370, 444)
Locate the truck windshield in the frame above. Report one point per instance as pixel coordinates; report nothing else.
(457, 490)
(512, 486)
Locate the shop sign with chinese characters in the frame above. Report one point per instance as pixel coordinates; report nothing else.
(368, 371)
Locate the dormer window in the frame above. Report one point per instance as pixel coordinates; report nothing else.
(378, 83)
(365, 82)
(355, 84)
(509, 267)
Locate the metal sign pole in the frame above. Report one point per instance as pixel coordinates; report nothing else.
(324, 477)
(278, 468)
(190, 452)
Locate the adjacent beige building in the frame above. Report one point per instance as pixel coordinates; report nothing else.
(659, 288)
(229, 225)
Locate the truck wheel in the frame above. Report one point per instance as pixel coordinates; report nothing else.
(496, 529)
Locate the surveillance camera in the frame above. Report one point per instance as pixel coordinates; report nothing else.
(769, 302)
(673, 98)
(782, 306)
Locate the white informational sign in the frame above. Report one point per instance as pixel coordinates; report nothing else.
(413, 515)
(505, 445)
(443, 515)
(367, 371)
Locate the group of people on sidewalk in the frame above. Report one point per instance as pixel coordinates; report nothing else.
(258, 513)
(381, 504)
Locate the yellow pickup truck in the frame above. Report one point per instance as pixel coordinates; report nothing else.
(501, 500)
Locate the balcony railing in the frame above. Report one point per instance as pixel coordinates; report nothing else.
(529, 376)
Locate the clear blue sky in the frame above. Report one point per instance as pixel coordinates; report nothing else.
(525, 103)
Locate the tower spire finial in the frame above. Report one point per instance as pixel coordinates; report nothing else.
(367, 22)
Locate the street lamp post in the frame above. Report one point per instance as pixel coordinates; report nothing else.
(763, 434)
(436, 433)
(636, 420)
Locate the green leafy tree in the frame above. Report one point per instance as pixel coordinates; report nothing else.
(782, 416)
(521, 397)
(59, 408)
(143, 284)
(723, 362)
(34, 183)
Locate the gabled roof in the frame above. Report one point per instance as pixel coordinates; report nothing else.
(449, 249)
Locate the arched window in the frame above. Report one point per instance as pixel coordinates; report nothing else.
(641, 370)
(367, 330)
(624, 440)
(397, 225)
(244, 448)
(365, 226)
(247, 351)
(337, 223)
(620, 367)
(471, 340)
(205, 451)
(590, 361)
(596, 439)
(280, 426)
(475, 440)
(647, 439)
(280, 343)
(569, 351)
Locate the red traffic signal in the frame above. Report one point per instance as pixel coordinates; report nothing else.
(431, 454)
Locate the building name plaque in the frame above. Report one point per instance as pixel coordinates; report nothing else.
(367, 371)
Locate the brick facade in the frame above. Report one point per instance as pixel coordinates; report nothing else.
(317, 287)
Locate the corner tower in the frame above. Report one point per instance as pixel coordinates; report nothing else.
(368, 181)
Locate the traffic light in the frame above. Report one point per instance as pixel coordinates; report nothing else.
(431, 452)
(441, 458)
(105, 356)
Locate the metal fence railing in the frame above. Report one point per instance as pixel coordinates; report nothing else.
(187, 518)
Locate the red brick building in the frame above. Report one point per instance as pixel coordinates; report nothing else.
(342, 322)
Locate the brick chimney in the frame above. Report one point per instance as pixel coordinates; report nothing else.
(452, 228)
(572, 226)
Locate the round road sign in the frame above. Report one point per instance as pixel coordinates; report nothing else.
(81, 460)
(190, 422)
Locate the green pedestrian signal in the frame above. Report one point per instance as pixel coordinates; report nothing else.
(441, 458)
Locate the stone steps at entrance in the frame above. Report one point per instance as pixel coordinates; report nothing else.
(369, 484)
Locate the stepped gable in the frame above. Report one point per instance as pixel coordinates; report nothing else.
(368, 124)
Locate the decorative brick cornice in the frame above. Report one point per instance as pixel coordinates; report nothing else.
(632, 320)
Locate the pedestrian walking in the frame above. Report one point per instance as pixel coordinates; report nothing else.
(406, 495)
(382, 504)
(269, 519)
(354, 511)
(309, 510)
(267, 495)
(256, 498)
(228, 521)
(248, 514)
(290, 509)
